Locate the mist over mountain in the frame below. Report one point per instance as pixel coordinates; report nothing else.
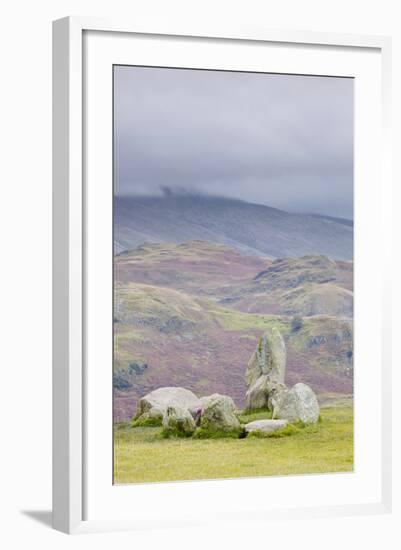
(253, 229)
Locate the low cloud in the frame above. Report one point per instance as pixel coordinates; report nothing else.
(281, 140)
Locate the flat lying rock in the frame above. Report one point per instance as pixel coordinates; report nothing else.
(266, 426)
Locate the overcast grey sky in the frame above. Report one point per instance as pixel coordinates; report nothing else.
(281, 140)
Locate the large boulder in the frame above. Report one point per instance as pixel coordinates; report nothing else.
(218, 414)
(297, 404)
(262, 393)
(269, 358)
(154, 404)
(178, 421)
(265, 426)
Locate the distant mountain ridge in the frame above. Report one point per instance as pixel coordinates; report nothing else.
(253, 229)
(344, 221)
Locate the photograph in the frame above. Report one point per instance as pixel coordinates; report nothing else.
(233, 230)
(200, 243)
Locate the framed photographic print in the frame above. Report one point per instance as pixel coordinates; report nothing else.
(219, 324)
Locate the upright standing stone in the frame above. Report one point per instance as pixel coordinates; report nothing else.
(266, 370)
(269, 358)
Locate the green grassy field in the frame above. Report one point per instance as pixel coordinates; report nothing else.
(141, 455)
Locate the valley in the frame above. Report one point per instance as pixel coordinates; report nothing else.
(190, 314)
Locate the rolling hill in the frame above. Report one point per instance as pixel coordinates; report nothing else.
(309, 285)
(191, 314)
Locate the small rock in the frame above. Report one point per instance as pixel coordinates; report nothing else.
(309, 409)
(178, 421)
(266, 426)
(262, 393)
(286, 406)
(218, 413)
(214, 396)
(298, 403)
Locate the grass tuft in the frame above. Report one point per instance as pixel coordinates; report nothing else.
(204, 433)
(173, 434)
(146, 421)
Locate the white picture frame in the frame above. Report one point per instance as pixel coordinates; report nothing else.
(70, 424)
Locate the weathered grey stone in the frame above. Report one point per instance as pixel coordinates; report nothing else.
(266, 426)
(156, 402)
(269, 358)
(257, 395)
(276, 388)
(298, 403)
(178, 421)
(286, 406)
(309, 409)
(211, 398)
(262, 393)
(218, 413)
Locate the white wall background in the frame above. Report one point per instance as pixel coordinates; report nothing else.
(25, 218)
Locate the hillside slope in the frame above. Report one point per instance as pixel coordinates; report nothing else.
(191, 315)
(309, 285)
(251, 228)
(197, 267)
(204, 347)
